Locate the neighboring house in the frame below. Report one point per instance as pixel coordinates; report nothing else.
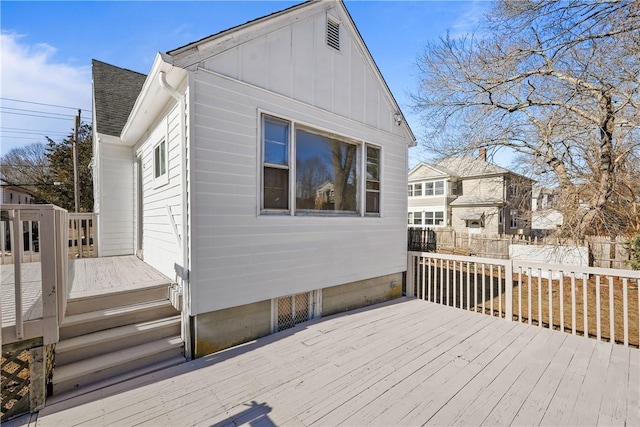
(262, 168)
(469, 194)
(14, 195)
(543, 198)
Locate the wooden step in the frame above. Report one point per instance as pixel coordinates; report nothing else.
(117, 379)
(99, 320)
(114, 339)
(129, 361)
(103, 301)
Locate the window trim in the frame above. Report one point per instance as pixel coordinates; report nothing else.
(163, 177)
(361, 164)
(289, 167)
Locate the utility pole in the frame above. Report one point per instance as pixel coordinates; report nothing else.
(76, 181)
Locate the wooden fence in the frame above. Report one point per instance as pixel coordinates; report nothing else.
(604, 252)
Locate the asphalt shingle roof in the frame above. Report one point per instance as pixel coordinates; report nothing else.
(115, 91)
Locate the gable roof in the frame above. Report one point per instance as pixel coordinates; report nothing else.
(115, 91)
(426, 171)
(193, 53)
(467, 167)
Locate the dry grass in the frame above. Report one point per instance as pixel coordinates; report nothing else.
(534, 290)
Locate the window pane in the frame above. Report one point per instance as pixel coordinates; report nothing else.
(326, 178)
(163, 158)
(410, 190)
(373, 163)
(417, 190)
(276, 188)
(156, 162)
(439, 188)
(276, 142)
(373, 202)
(428, 189)
(439, 219)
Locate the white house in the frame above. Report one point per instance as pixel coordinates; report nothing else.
(14, 195)
(209, 169)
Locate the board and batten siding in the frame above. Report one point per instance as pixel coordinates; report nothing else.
(116, 195)
(238, 256)
(161, 247)
(295, 61)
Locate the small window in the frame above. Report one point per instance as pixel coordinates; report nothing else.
(275, 148)
(418, 190)
(439, 188)
(333, 34)
(439, 218)
(428, 218)
(514, 218)
(373, 180)
(160, 163)
(417, 218)
(410, 218)
(410, 190)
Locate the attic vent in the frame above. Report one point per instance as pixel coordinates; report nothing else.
(333, 34)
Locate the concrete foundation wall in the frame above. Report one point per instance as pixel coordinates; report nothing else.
(217, 330)
(360, 294)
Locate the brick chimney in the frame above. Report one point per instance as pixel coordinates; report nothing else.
(482, 153)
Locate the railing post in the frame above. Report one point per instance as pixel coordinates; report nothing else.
(16, 252)
(508, 290)
(49, 276)
(410, 275)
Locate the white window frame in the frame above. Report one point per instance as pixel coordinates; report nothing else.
(361, 164)
(160, 177)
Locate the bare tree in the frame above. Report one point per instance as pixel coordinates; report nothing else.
(557, 83)
(27, 167)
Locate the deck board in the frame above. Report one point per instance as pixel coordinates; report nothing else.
(86, 277)
(408, 362)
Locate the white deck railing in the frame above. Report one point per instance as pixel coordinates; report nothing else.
(52, 225)
(83, 235)
(595, 302)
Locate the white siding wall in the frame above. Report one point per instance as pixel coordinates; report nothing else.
(295, 61)
(159, 242)
(116, 199)
(239, 257)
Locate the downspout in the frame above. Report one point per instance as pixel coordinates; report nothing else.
(186, 298)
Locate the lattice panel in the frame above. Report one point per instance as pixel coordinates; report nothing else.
(15, 383)
(301, 305)
(293, 310)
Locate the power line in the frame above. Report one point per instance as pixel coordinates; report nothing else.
(41, 103)
(36, 115)
(36, 111)
(27, 132)
(10, 129)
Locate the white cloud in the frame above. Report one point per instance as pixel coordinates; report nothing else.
(469, 21)
(30, 72)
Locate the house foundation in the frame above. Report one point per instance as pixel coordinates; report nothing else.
(217, 330)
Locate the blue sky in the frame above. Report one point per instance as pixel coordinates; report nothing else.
(47, 48)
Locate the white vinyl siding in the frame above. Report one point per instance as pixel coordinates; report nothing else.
(116, 214)
(240, 256)
(161, 204)
(295, 62)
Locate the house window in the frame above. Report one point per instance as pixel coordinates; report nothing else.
(326, 178)
(514, 218)
(160, 163)
(417, 190)
(373, 180)
(333, 34)
(439, 188)
(410, 218)
(433, 218)
(500, 217)
(410, 190)
(275, 148)
(417, 218)
(333, 175)
(428, 189)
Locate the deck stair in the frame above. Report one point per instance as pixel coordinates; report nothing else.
(109, 338)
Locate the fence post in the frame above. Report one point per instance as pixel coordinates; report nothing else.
(410, 275)
(49, 276)
(16, 252)
(508, 284)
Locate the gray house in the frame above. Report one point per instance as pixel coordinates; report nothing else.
(469, 194)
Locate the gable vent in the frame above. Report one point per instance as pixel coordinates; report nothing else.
(333, 34)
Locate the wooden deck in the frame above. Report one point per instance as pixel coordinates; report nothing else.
(408, 362)
(86, 276)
